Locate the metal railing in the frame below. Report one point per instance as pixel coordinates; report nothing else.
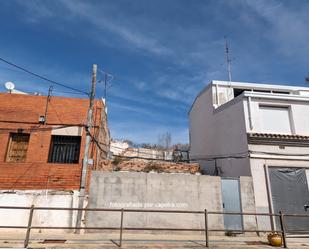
(122, 228)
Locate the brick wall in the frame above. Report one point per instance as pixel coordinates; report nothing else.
(36, 173)
(22, 112)
(39, 176)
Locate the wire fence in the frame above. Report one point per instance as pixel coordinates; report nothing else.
(121, 228)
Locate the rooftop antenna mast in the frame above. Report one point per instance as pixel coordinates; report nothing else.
(107, 79)
(228, 59)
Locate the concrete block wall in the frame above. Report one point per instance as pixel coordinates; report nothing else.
(161, 191)
(247, 202)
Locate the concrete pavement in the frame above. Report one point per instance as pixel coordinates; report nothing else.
(138, 241)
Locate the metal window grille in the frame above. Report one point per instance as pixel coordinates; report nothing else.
(64, 149)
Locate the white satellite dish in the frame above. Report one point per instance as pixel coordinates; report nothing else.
(9, 86)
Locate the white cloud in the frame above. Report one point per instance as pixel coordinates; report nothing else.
(40, 10)
(28, 83)
(140, 85)
(131, 108)
(99, 18)
(287, 26)
(191, 50)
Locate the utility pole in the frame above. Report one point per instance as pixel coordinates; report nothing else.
(82, 189)
(47, 102)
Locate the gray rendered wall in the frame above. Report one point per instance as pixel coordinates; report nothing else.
(159, 191)
(247, 202)
(219, 133)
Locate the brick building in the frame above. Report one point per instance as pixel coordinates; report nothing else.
(44, 151)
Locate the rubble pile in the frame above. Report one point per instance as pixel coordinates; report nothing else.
(142, 165)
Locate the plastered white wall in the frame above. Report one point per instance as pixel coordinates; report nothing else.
(223, 131)
(259, 183)
(39, 198)
(307, 174)
(299, 114)
(68, 131)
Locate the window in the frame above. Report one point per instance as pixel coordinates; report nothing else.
(18, 146)
(275, 119)
(64, 149)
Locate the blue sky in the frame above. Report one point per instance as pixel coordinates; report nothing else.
(162, 52)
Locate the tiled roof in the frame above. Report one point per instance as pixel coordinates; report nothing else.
(278, 139)
(278, 136)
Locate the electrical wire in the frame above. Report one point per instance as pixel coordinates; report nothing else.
(145, 158)
(127, 157)
(223, 156)
(136, 151)
(42, 77)
(34, 129)
(242, 155)
(57, 91)
(276, 153)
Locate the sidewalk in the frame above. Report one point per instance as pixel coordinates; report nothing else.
(139, 241)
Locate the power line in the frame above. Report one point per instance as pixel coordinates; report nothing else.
(128, 157)
(277, 153)
(37, 128)
(67, 92)
(240, 155)
(42, 77)
(145, 158)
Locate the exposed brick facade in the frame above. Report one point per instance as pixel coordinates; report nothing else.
(22, 112)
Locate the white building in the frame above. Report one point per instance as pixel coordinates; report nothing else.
(118, 147)
(245, 129)
(122, 148)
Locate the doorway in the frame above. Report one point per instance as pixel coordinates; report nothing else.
(289, 192)
(231, 203)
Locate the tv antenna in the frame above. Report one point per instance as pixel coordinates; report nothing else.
(228, 59)
(107, 79)
(9, 86)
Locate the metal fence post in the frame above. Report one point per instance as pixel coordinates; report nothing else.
(283, 229)
(121, 228)
(206, 228)
(26, 242)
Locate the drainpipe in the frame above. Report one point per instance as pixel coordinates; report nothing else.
(250, 113)
(217, 95)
